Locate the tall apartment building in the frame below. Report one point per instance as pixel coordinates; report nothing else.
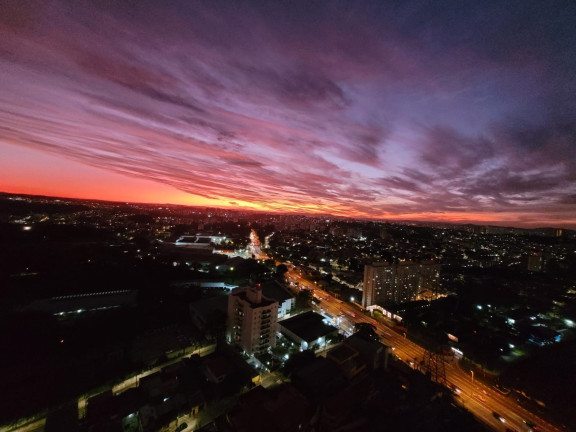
(535, 261)
(399, 282)
(252, 319)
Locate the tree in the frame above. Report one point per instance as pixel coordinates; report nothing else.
(216, 325)
(281, 270)
(366, 330)
(298, 360)
(303, 299)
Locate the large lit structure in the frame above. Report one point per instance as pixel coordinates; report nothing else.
(399, 282)
(252, 319)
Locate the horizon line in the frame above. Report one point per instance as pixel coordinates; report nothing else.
(288, 213)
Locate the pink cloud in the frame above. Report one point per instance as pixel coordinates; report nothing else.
(314, 108)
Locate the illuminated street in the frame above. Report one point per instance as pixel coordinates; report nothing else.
(482, 401)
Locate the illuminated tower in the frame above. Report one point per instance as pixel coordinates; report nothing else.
(535, 261)
(398, 283)
(252, 319)
(378, 283)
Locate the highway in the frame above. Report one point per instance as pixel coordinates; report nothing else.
(480, 400)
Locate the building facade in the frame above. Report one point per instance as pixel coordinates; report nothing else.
(252, 319)
(535, 261)
(286, 301)
(399, 282)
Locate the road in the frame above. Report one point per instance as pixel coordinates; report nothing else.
(477, 398)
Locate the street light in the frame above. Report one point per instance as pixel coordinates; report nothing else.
(472, 372)
(351, 299)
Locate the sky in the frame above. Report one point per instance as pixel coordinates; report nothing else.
(415, 110)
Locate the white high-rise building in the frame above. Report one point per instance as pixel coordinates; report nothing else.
(252, 319)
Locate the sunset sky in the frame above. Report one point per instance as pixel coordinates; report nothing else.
(461, 111)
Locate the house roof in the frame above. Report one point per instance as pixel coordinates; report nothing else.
(308, 326)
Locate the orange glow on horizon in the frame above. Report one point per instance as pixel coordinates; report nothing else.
(75, 180)
(132, 191)
(385, 130)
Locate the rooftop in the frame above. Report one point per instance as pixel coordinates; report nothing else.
(273, 289)
(208, 305)
(308, 326)
(242, 294)
(342, 353)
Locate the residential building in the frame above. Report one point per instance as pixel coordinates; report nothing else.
(399, 282)
(535, 261)
(252, 319)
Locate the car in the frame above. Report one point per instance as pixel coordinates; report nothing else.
(531, 425)
(455, 389)
(498, 417)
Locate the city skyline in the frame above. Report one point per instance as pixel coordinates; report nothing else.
(450, 113)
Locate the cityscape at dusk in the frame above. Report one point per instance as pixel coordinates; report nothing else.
(426, 111)
(287, 216)
(147, 318)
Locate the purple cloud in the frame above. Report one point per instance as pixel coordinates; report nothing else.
(418, 111)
